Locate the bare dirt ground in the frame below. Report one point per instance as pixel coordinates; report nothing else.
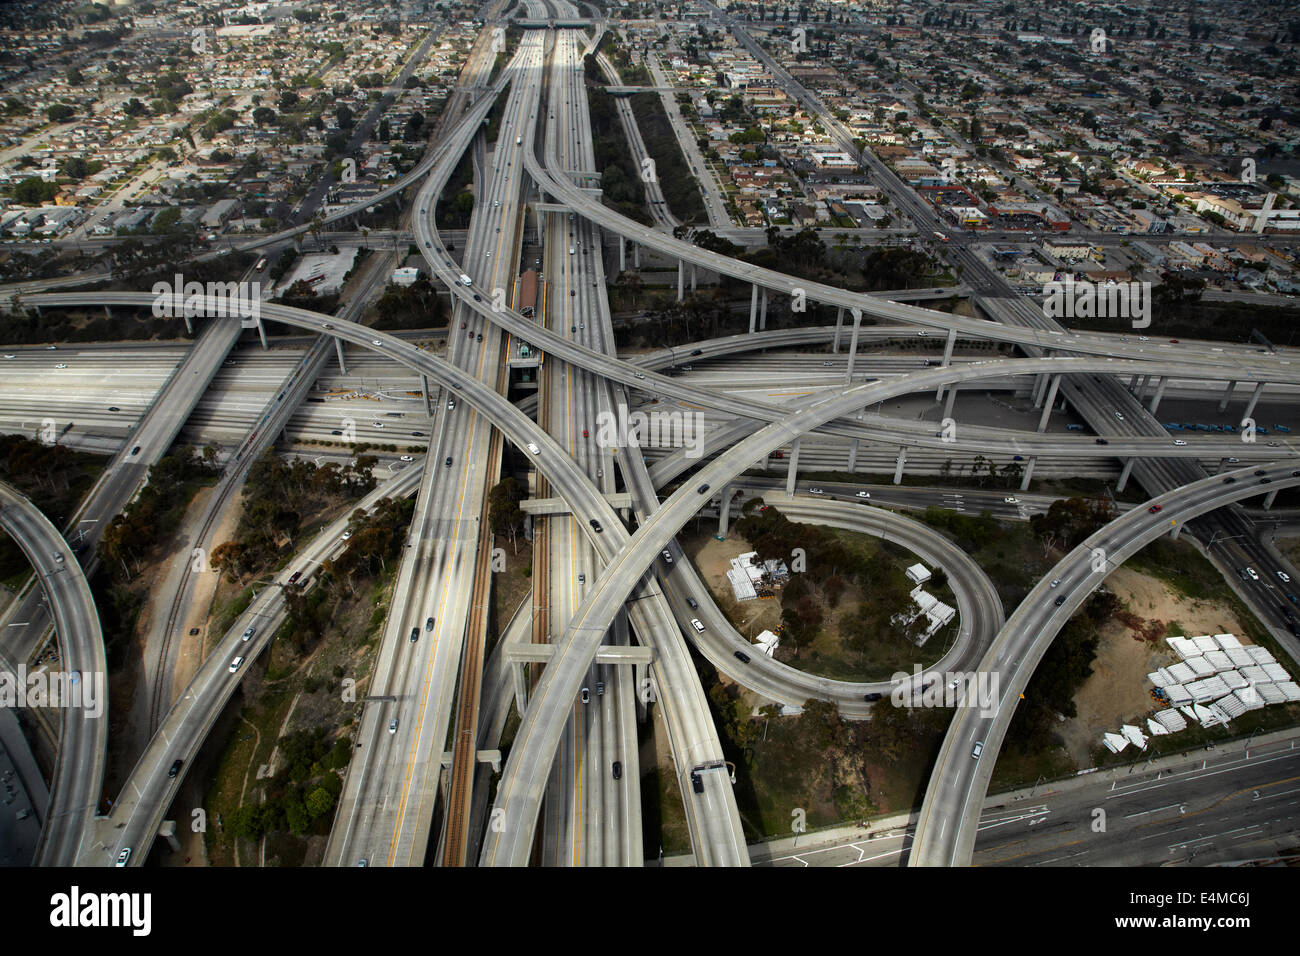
(1118, 692)
(713, 559)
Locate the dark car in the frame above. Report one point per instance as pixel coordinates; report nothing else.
(742, 657)
(595, 526)
(135, 450)
(702, 489)
(336, 431)
(293, 578)
(698, 352)
(175, 768)
(428, 624)
(1229, 480)
(692, 602)
(1102, 441)
(415, 634)
(697, 782)
(1266, 481)
(1060, 600)
(873, 697)
(477, 297)
(1154, 508)
(618, 770)
(1260, 473)
(114, 408)
(449, 461)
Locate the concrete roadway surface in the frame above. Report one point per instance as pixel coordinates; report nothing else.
(980, 615)
(1217, 805)
(523, 779)
(148, 791)
(946, 827)
(79, 767)
(128, 468)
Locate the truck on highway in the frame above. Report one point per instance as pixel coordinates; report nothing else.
(528, 293)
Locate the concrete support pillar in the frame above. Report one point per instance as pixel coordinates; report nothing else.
(108, 314)
(853, 455)
(949, 401)
(261, 332)
(947, 358)
(1047, 405)
(1227, 394)
(681, 275)
(1029, 473)
(1040, 388)
(1161, 382)
(753, 309)
(338, 349)
(762, 312)
(898, 468)
(693, 277)
(839, 324)
(853, 344)
(1142, 387)
(1124, 473)
(424, 386)
(519, 677)
(724, 510)
(622, 253)
(1268, 500)
(1254, 400)
(1133, 383)
(189, 324)
(636, 256)
(792, 471)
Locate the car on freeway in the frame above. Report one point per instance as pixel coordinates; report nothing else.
(407, 458)
(1179, 441)
(828, 364)
(376, 342)
(114, 408)
(695, 623)
(1060, 600)
(816, 491)
(62, 365)
(1055, 582)
(248, 633)
(1284, 576)
(1119, 416)
(234, 665)
(175, 767)
(377, 424)
(9, 355)
(193, 631)
(1252, 574)
(293, 578)
(702, 489)
(462, 325)
(742, 657)
(1012, 500)
(1233, 461)
(392, 726)
(874, 696)
(864, 494)
(586, 695)
(1230, 480)
(692, 603)
(595, 526)
(977, 749)
(640, 375)
(582, 578)
(1102, 441)
(1154, 508)
(617, 770)
(124, 857)
(336, 431)
(585, 433)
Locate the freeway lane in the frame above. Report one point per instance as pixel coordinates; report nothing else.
(79, 767)
(946, 827)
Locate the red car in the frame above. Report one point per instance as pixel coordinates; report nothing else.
(293, 578)
(1154, 508)
(462, 325)
(778, 454)
(1173, 341)
(584, 433)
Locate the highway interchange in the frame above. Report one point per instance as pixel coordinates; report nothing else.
(603, 584)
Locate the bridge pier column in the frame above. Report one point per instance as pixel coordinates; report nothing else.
(1254, 400)
(947, 358)
(622, 254)
(636, 256)
(1133, 383)
(762, 313)
(1029, 473)
(1142, 387)
(1124, 473)
(839, 324)
(1268, 500)
(338, 349)
(424, 385)
(1227, 394)
(950, 401)
(853, 345)
(1047, 405)
(753, 308)
(681, 276)
(519, 677)
(189, 324)
(898, 468)
(693, 271)
(1161, 382)
(853, 455)
(1040, 386)
(724, 511)
(261, 332)
(792, 470)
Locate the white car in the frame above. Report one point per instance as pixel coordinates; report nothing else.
(1055, 582)
(376, 342)
(864, 494)
(407, 458)
(8, 356)
(816, 491)
(1252, 574)
(377, 424)
(61, 365)
(1012, 500)
(1179, 441)
(1284, 576)
(234, 665)
(1119, 416)
(392, 726)
(124, 857)
(532, 447)
(346, 535)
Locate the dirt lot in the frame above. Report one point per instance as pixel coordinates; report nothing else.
(1118, 692)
